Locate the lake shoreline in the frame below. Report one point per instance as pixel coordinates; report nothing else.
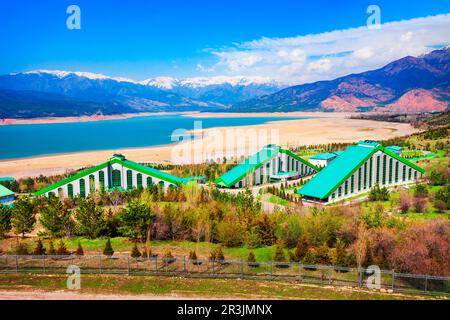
(327, 128)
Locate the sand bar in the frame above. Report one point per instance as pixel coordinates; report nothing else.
(324, 128)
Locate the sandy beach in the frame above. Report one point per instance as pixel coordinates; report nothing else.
(216, 143)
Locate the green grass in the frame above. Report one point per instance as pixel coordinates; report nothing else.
(191, 287)
(278, 201)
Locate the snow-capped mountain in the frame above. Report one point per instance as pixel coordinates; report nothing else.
(224, 90)
(35, 91)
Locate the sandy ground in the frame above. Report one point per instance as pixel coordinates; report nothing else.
(74, 295)
(216, 143)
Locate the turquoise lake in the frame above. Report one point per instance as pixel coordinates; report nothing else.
(20, 141)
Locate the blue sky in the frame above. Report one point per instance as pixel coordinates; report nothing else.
(141, 39)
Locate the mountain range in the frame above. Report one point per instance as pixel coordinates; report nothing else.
(411, 84)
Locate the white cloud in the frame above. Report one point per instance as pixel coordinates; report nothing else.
(332, 54)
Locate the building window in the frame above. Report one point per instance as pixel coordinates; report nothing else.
(404, 173)
(240, 184)
(396, 171)
(352, 183)
(60, 193)
(359, 179)
(161, 185)
(139, 181)
(149, 181)
(378, 170)
(340, 192)
(101, 177)
(346, 187)
(365, 176)
(415, 175)
(384, 169)
(371, 172)
(302, 168)
(91, 184)
(70, 190)
(390, 170)
(129, 179)
(116, 179)
(409, 174)
(82, 188)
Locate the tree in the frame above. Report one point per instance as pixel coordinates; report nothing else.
(405, 202)
(39, 250)
(51, 250)
(55, 217)
(62, 250)
(301, 249)
(443, 195)
(108, 250)
(135, 220)
(379, 194)
(80, 251)
(135, 252)
(420, 191)
(23, 216)
(251, 257)
(437, 178)
(5, 220)
(90, 219)
(341, 255)
(279, 253)
(420, 205)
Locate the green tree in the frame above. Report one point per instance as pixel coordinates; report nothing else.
(51, 250)
(39, 250)
(5, 220)
(279, 253)
(108, 250)
(135, 253)
(62, 250)
(341, 255)
(80, 251)
(55, 217)
(301, 249)
(23, 216)
(90, 218)
(135, 220)
(420, 191)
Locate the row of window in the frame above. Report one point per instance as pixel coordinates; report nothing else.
(116, 183)
(363, 184)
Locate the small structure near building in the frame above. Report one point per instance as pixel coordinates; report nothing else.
(324, 159)
(359, 168)
(116, 174)
(6, 195)
(395, 149)
(271, 164)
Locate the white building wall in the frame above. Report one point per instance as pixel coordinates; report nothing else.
(369, 186)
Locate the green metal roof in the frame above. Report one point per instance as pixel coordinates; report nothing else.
(6, 179)
(115, 159)
(248, 165)
(5, 192)
(254, 162)
(332, 176)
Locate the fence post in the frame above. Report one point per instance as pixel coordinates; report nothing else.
(17, 264)
(300, 270)
(156, 264)
(242, 267)
(393, 280)
(271, 269)
(43, 263)
(213, 271)
(426, 283)
(184, 264)
(100, 263)
(330, 272)
(128, 265)
(359, 277)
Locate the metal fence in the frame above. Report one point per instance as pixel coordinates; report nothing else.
(181, 266)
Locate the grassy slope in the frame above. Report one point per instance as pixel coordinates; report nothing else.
(189, 287)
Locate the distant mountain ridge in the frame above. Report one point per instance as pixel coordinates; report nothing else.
(411, 84)
(407, 85)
